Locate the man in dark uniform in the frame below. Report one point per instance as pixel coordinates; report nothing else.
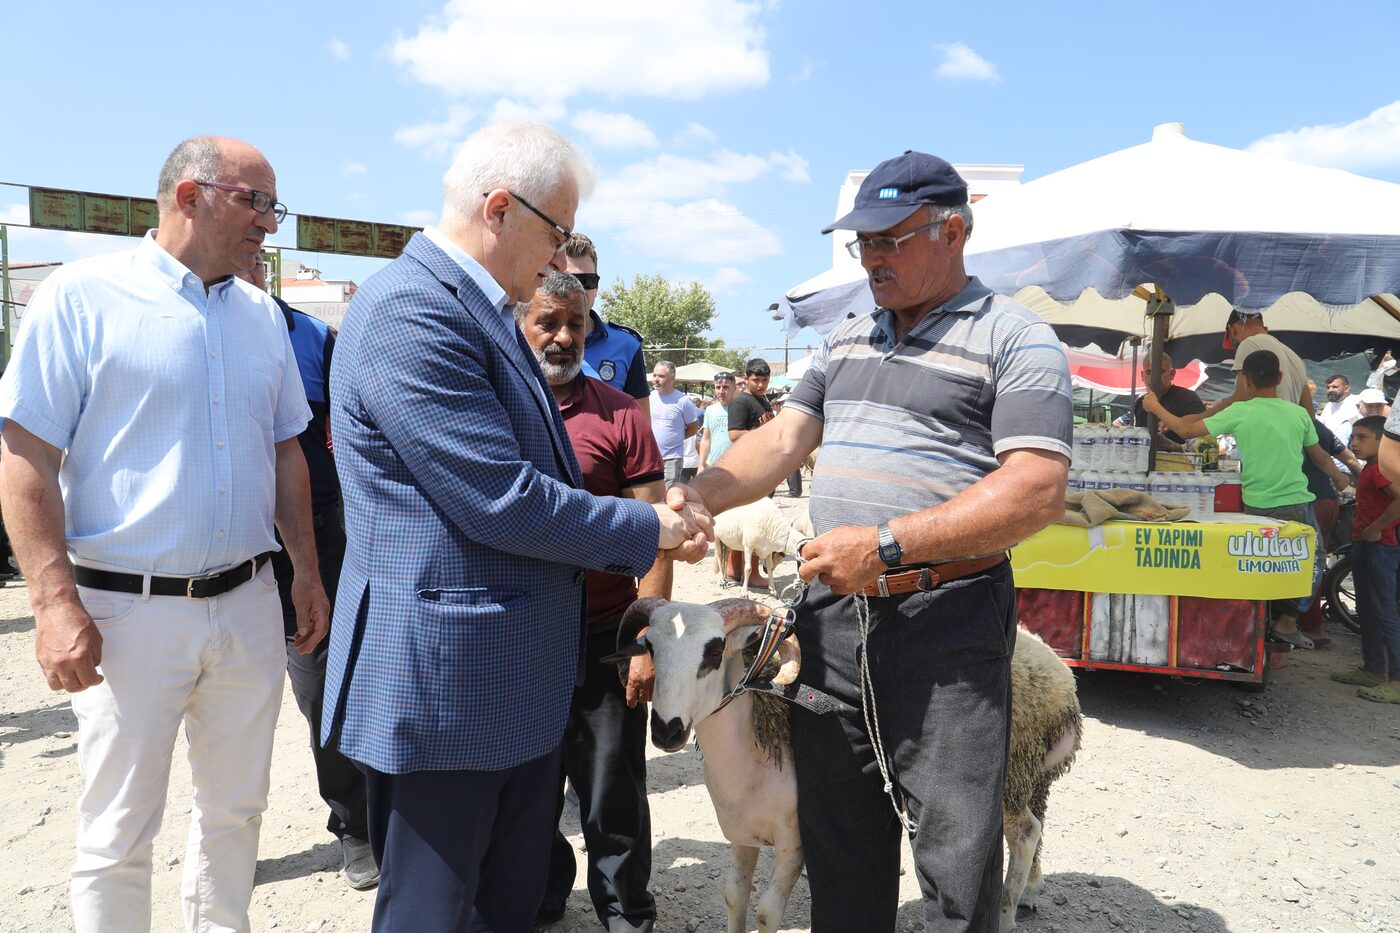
(612, 351)
(341, 783)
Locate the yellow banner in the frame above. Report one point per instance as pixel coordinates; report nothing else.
(1176, 559)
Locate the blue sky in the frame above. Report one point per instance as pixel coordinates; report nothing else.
(721, 130)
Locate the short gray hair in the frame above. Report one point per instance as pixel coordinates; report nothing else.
(670, 367)
(197, 158)
(940, 212)
(531, 159)
(557, 284)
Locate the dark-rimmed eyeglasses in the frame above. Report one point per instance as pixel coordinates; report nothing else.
(262, 201)
(563, 231)
(884, 245)
(589, 280)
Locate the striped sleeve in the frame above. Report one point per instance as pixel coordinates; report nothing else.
(1034, 402)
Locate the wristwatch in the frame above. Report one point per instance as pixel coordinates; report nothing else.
(890, 551)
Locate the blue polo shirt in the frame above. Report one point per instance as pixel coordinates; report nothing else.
(613, 353)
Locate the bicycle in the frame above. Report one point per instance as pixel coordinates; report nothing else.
(1338, 591)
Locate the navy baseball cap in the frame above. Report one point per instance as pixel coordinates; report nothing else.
(898, 187)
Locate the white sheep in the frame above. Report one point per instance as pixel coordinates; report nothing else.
(697, 653)
(757, 528)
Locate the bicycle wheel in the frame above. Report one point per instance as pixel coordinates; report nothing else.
(1339, 593)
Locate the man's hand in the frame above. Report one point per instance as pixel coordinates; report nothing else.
(1151, 403)
(641, 677)
(1340, 481)
(1372, 533)
(685, 531)
(68, 646)
(845, 559)
(313, 612)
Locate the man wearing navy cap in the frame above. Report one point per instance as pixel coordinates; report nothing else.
(944, 420)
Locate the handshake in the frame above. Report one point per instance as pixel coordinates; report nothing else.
(686, 525)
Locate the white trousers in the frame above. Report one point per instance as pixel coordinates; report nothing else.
(217, 665)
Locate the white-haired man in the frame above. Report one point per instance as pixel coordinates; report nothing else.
(151, 410)
(458, 624)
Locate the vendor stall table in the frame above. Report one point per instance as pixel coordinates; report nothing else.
(1183, 598)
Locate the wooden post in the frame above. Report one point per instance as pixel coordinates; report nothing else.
(1160, 309)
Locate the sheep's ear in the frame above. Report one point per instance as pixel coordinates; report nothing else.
(736, 639)
(630, 650)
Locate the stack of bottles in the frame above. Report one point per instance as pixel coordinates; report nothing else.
(1116, 457)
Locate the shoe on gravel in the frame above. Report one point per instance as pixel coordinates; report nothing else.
(360, 871)
(1357, 677)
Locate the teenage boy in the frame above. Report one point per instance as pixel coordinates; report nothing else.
(1272, 435)
(1375, 560)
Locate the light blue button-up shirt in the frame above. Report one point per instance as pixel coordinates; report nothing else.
(167, 401)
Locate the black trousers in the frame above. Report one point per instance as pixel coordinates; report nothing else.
(461, 850)
(604, 756)
(940, 666)
(340, 780)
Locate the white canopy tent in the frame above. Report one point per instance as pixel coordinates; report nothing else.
(1215, 228)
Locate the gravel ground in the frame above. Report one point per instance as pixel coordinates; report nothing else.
(1192, 806)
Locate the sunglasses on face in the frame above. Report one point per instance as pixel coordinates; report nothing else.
(589, 280)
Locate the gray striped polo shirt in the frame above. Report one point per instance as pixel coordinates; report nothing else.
(907, 425)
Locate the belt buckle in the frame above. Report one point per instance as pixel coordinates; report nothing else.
(882, 586)
(193, 581)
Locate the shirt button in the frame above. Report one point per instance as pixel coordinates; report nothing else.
(223, 489)
(216, 400)
(221, 536)
(220, 445)
(213, 355)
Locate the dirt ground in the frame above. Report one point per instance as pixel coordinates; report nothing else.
(1192, 806)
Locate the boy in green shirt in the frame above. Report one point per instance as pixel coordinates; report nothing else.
(1272, 434)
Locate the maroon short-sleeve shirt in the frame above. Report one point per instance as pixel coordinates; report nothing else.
(615, 450)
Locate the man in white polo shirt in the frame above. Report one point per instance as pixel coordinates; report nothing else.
(151, 410)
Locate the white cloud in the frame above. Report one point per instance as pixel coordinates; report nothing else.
(14, 214)
(694, 134)
(706, 231)
(351, 169)
(672, 177)
(506, 109)
(437, 139)
(805, 69)
(418, 218)
(793, 166)
(1370, 142)
(726, 280)
(641, 47)
(338, 49)
(614, 130)
(31, 244)
(961, 63)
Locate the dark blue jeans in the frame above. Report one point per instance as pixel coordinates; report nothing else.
(1374, 567)
(940, 666)
(1302, 512)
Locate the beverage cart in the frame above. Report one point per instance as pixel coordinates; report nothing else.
(1185, 599)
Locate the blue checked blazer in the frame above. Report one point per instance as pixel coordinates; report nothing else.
(456, 638)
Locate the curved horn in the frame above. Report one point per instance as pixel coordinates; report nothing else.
(789, 660)
(737, 612)
(637, 617)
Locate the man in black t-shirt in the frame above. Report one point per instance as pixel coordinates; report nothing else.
(750, 408)
(1178, 400)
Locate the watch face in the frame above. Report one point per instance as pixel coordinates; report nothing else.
(889, 553)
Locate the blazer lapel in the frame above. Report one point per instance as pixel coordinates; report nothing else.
(505, 335)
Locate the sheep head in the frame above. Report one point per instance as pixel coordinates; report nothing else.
(690, 643)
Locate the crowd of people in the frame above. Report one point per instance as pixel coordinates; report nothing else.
(435, 519)
(1297, 458)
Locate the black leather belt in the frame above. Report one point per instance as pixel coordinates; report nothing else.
(216, 584)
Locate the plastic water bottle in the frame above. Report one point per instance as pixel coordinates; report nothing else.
(1092, 480)
(1139, 483)
(1205, 495)
(1075, 483)
(1095, 442)
(1183, 490)
(1159, 486)
(1142, 449)
(1077, 448)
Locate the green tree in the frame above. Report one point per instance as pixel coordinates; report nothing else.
(668, 315)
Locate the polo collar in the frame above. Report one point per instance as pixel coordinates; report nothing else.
(967, 301)
(600, 328)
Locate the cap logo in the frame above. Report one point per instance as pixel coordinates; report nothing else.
(887, 193)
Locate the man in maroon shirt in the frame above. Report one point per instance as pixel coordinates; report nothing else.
(605, 740)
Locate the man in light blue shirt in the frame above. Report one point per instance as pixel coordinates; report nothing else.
(152, 410)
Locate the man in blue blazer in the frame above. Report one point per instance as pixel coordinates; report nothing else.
(460, 611)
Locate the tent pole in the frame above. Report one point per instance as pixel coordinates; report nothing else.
(1160, 308)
